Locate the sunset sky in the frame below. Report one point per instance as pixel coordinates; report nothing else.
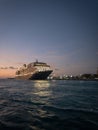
(62, 33)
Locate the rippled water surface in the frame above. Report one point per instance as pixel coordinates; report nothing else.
(48, 105)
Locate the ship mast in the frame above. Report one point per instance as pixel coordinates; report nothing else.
(36, 60)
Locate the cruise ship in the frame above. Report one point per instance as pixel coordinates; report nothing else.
(34, 71)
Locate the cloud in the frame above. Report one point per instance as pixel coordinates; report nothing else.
(10, 67)
(3, 68)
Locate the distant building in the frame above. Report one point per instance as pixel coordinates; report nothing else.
(97, 70)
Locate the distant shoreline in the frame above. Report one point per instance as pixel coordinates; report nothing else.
(57, 79)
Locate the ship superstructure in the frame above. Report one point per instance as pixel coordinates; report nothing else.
(34, 70)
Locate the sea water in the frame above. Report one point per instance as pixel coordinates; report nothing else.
(48, 105)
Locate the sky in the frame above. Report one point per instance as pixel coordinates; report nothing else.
(62, 33)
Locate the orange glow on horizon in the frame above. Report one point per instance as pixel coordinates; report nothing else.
(7, 73)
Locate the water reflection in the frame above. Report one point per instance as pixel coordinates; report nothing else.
(42, 88)
(41, 84)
